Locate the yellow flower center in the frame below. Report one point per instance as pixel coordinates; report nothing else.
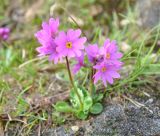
(108, 56)
(103, 69)
(69, 45)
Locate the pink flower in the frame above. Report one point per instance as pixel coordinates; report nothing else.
(46, 37)
(48, 32)
(52, 27)
(110, 52)
(70, 44)
(80, 64)
(51, 51)
(93, 53)
(106, 72)
(4, 33)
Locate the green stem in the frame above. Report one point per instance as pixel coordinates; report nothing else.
(71, 80)
(91, 81)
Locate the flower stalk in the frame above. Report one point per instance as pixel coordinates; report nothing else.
(91, 81)
(72, 83)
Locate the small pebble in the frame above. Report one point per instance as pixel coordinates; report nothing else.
(149, 101)
(75, 128)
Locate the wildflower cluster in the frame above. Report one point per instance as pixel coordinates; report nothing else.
(105, 61)
(60, 45)
(4, 33)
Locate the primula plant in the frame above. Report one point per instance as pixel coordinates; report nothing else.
(102, 61)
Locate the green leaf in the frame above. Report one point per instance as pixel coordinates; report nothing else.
(94, 89)
(74, 98)
(84, 91)
(57, 118)
(96, 108)
(87, 103)
(82, 115)
(151, 69)
(98, 97)
(62, 106)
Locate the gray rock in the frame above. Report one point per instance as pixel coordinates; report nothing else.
(149, 11)
(117, 120)
(60, 131)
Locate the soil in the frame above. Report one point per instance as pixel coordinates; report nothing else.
(131, 114)
(135, 116)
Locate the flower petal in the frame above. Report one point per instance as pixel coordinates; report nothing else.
(104, 81)
(109, 79)
(54, 23)
(96, 77)
(114, 74)
(73, 34)
(79, 43)
(76, 68)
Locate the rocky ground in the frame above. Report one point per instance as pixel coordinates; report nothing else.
(130, 119)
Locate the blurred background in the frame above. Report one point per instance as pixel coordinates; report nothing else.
(102, 15)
